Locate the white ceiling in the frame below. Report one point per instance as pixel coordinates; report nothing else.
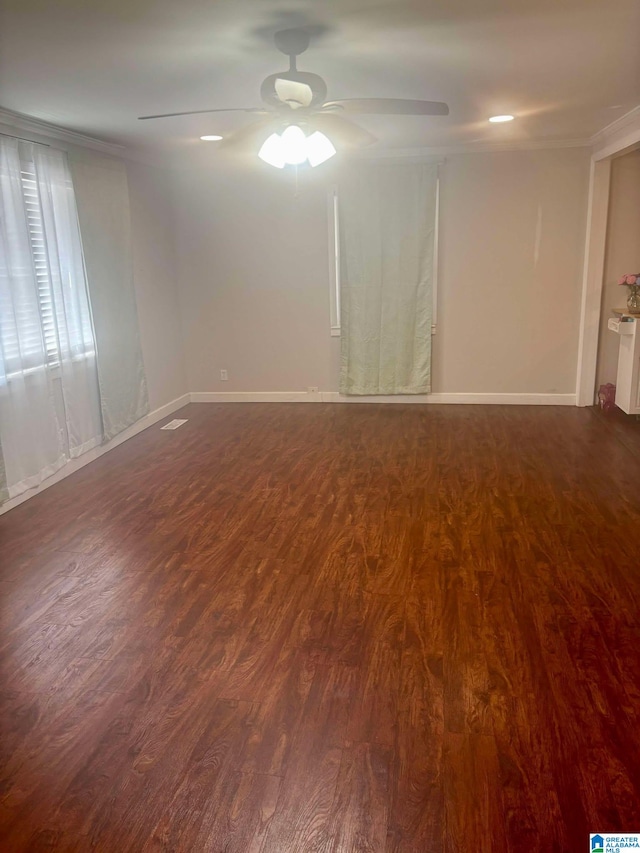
(565, 68)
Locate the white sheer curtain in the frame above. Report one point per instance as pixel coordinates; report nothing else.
(4, 493)
(387, 220)
(49, 399)
(102, 196)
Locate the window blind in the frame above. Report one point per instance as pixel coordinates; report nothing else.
(46, 334)
(51, 322)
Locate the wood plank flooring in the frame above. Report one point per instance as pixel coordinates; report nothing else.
(290, 628)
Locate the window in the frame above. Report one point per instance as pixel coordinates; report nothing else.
(31, 197)
(49, 394)
(44, 313)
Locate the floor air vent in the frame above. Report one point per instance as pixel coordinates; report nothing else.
(175, 423)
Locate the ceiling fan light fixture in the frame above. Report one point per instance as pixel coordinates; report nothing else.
(294, 145)
(319, 148)
(272, 151)
(501, 119)
(292, 148)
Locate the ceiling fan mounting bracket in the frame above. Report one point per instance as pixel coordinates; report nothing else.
(292, 42)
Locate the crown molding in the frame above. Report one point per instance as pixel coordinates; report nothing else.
(620, 125)
(29, 124)
(621, 134)
(614, 137)
(440, 152)
(46, 130)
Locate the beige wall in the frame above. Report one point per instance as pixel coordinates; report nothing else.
(512, 242)
(622, 255)
(253, 269)
(154, 271)
(254, 281)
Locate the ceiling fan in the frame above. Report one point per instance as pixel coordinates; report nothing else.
(296, 106)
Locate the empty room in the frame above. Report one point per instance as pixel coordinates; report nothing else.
(320, 426)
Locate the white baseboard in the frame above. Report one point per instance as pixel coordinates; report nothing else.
(469, 398)
(335, 397)
(79, 462)
(255, 397)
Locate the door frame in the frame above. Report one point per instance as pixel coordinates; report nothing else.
(619, 138)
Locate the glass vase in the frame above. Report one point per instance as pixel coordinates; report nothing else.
(633, 300)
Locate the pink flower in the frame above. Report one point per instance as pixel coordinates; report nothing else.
(631, 279)
(622, 280)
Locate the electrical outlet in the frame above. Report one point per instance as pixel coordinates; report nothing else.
(312, 389)
(224, 375)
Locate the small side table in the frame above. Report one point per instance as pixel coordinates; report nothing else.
(627, 325)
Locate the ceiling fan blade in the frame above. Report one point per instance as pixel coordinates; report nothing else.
(391, 106)
(200, 112)
(293, 93)
(342, 131)
(250, 136)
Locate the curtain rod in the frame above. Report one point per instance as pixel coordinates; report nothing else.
(23, 139)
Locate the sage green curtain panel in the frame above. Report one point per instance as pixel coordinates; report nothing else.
(387, 224)
(102, 196)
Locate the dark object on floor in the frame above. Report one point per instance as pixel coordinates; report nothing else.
(607, 397)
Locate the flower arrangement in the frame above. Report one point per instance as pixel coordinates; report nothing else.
(633, 278)
(632, 281)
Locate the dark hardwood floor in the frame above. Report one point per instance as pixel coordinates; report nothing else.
(328, 628)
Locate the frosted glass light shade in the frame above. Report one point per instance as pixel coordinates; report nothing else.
(319, 148)
(272, 151)
(294, 145)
